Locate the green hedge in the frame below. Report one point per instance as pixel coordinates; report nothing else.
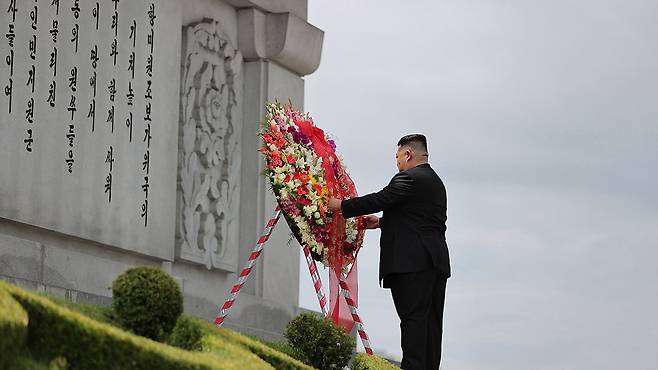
(54, 331)
(364, 362)
(280, 361)
(13, 329)
(187, 334)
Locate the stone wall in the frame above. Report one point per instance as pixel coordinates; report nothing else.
(128, 137)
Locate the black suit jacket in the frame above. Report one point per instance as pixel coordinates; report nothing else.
(413, 224)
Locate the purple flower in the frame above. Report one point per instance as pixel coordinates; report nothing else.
(298, 136)
(335, 166)
(332, 144)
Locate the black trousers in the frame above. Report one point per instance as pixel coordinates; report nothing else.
(419, 298)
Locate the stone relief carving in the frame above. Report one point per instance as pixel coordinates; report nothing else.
(209, 147)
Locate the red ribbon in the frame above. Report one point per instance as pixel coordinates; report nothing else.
(340, 186)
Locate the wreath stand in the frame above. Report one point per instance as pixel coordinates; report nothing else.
(315, 276)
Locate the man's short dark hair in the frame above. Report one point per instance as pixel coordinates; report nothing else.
(416, 142)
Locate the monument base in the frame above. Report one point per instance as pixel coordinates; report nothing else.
(81, 271)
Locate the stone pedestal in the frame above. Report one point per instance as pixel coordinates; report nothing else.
(128, 137)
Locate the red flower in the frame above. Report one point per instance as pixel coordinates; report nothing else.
(275, 161)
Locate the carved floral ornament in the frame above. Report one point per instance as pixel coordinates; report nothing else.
(209, 150)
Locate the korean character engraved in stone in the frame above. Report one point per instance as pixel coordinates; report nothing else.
(53, 61)
(31, 73)
(92, 114)
(151, 15)
(10, 62)
(70, 161)
(148, 94)
(92, 82)
(55, 3)
(9, 88)
(130, 96)
(133, 32)
(73, 79)
(131, 64)
(147, 113)
(109, 160)
(52, 89)
(33, 47)
(12, 10)
(34, 16)
(9, 92)
(29, 112)
(75, 33)
(110, 118)
(115, 22)
(144, 214)
(72, 108)
(76, 9)
(11, 35)
(149, 39)
(149, 66)
(54, 30)
(145, 187)
(114, 52)
(146, 163)
(112, 89)
(93, 56)
(95, 13)
(70, 136)
(147, 136)
(129, 125)
(108, 187)
(29, 140)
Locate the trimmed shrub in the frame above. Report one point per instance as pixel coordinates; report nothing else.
(187, 334)
(147, 301)
(54, 332)
(13, 326)
(326, 345)
(364, 362)
(279, 360)
(285, 347)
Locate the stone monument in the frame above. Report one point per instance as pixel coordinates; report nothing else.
(128, 137)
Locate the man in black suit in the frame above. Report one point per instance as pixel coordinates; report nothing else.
(414, 261)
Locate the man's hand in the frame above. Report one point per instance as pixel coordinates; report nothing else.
(334, 204)
(372, 221)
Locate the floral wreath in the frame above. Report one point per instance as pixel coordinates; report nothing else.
(304, 171)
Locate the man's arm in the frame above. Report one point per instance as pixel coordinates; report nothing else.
(400, 187)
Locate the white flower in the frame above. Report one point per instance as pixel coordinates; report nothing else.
(316, 214)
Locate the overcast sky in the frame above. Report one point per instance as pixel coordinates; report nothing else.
(542, 120)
